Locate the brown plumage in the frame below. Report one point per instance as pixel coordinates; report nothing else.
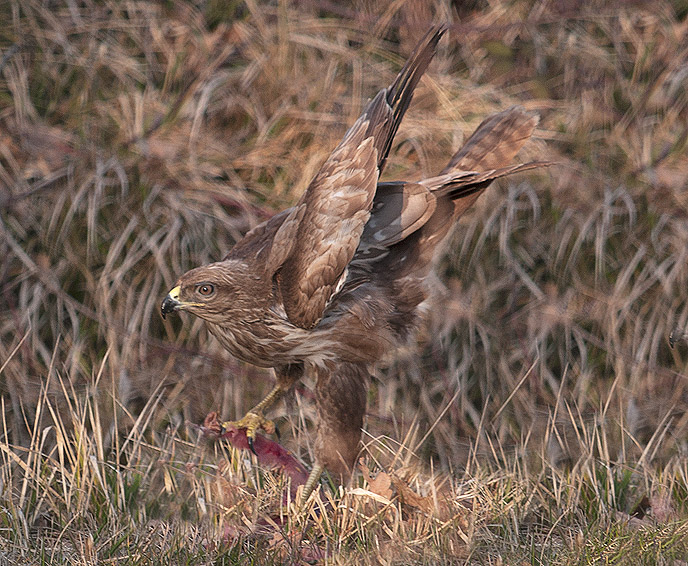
(332, 284)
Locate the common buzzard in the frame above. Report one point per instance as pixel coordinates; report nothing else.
(329, 286)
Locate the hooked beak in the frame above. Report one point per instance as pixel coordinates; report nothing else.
(171, 302)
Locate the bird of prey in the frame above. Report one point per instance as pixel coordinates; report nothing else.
(334, 283)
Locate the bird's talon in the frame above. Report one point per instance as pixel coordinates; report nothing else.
(252, 422)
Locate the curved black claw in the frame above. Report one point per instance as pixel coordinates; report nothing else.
(250, 444)
(277, 434)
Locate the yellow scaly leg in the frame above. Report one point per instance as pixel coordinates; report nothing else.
(253, 421)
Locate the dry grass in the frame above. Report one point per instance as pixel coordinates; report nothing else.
(543, 419)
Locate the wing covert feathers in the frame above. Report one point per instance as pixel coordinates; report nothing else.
(338, 200)
(329, 232)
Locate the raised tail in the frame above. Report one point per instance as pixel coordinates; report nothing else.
(486, 156)
(495, 142)
(489, 150)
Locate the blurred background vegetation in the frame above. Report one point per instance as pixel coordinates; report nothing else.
(139, 139)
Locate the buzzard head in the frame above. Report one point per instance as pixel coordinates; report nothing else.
(209, 292)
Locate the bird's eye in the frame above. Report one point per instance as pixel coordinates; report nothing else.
(205, 289)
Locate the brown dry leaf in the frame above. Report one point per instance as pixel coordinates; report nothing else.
(381, 484)
(410, 497)
(386, 485)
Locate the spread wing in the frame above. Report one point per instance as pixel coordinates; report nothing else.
(337, 203)
(259, 239)
(337, 206)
